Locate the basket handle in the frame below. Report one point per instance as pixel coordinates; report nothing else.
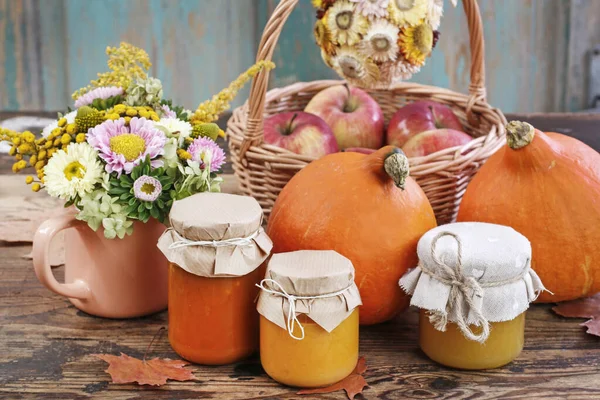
(253, 134)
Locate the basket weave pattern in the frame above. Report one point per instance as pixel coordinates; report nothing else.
(263, 169)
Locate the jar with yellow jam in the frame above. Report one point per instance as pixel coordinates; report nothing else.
(309, 318)
(473, 284)
(216, 249)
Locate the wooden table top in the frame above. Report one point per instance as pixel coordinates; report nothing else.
(46, 346)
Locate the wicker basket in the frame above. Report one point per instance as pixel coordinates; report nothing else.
(263, 170)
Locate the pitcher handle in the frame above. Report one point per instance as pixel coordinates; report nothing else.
(78, 289)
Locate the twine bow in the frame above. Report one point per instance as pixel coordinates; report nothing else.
(292, 319)
(183, 242)
(463, 289)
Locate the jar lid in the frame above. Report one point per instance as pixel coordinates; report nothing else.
(216, 234)
(319, 284)
(472, 273)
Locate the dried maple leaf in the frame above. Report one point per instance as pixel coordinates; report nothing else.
(125, 369)
(353, 384)
(583, 308)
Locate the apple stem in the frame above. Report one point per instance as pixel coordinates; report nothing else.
(288, 129)
(349, 105)
(397, 167)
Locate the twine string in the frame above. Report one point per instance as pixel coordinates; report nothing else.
(463, 289)
(184, 242)
(292, 319)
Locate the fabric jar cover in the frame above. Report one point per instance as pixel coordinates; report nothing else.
(472, 273)
(216, 235)
(320, 284)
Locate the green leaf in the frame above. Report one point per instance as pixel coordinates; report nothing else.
(141, 208)
(132, 201)
(116, 191)
(154, 212)
(135, 173)
(124, 196)
(160, 203)
(149, 205)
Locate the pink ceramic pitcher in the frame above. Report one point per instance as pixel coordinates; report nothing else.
(118, 278)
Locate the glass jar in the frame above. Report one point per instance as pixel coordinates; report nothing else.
(453, 349)
(320, 359)
(213, 321)
(473, 284)
(310, 339)
(216, 258)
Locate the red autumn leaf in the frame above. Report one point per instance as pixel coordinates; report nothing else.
(583, 308)
(125, 369)
(353, 384)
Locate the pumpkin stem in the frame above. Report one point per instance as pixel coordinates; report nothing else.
(397, 167)
(519, 134)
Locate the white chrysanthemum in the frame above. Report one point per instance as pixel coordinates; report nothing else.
(434, 13)
(407, 12)
(346, 25)
(372, 8)
(175, 128)
(381, 41)
(75, 171)
(396, 72)
(355, 67)
(48, 129)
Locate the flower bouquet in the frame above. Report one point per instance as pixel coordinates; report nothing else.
(125, 153)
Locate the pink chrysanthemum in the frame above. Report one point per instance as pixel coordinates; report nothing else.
(103, 92)
(147, 188)
(123, 147)
(205, 150)
(167, 112)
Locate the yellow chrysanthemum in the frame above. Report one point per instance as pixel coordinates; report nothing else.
(416, 43)
(345, 24)
(407, 12)
(323, 37)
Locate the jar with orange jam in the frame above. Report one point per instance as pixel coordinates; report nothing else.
(309, 318)
(473, 284)
(216, 247)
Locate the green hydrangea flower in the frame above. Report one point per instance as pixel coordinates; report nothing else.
(144, 92)
(117, 226)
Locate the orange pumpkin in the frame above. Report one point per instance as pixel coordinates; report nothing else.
(547, 187)
(366, 208)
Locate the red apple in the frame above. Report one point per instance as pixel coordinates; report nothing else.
(418, 117)
(429, 142)
(354, 117)
(301, 133)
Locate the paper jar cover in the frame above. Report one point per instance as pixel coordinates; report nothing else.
(498, 257)
(310, 273)
(218, 217)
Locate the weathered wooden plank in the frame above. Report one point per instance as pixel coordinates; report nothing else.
(46, 346)
(584, 34)
(20, 77)
(196, 47)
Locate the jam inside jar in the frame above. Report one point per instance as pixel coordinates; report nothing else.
(453, 349)
(213, 320)
(321, 358)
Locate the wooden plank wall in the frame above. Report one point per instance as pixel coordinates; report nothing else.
(536, 50)
(49, 48)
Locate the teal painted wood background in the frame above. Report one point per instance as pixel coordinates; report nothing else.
(536, 50)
